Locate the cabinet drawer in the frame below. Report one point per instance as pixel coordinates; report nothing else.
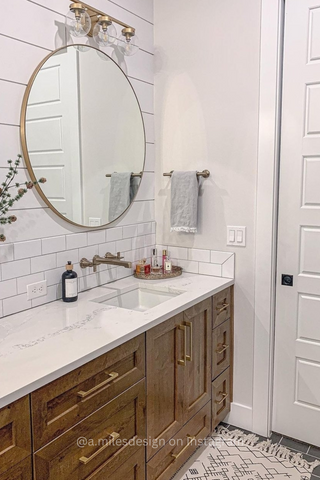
(69, 399)
(22, 471)
(111, 435)
(175, 453)
(221, 306)
(133, 469)
(15, 433)
(221, 348)
(221, 392)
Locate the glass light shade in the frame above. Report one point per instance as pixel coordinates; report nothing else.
(104, 35)
(128, 45)
(79, 23)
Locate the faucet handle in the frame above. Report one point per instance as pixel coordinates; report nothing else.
(119, 256)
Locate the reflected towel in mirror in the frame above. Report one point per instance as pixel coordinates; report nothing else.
(119, 194)
(184, 202)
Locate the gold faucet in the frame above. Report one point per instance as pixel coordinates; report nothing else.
(108, 259)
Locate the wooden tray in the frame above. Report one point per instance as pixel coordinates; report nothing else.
(176, 272)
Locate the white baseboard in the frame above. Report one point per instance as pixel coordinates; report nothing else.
(240, 416)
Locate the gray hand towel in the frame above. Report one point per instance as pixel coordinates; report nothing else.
(119, 199)
(184, 202)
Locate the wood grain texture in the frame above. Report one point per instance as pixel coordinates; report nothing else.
(57, 407)
(197, 380)
(220, 386)
(133, 469)
(15, 433)
(219, 300)
(22, 471)
(163, 465)
(125, 415)
(221, 342)
(165, 378)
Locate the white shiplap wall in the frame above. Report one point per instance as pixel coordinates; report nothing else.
(39, 244)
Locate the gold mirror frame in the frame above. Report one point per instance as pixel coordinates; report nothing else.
(23, 137)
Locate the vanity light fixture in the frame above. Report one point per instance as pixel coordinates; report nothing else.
(104, 32)
(82, 20)
(128, 42)
(78, 20)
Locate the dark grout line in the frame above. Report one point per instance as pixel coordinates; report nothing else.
(47, 8)
(139, 80)
(12, 81)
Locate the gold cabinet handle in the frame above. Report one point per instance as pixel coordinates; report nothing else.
(224, 396)
(225, 347)
(86, 460)
(221, 308)
(112, 376)
(177, 455)
(183, 362)
(189, 357)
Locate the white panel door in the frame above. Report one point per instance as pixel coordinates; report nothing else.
(297, 356)
(52, 126)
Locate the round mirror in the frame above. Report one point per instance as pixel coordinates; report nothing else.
(82, 129)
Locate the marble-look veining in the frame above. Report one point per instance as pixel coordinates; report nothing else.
(42, 344)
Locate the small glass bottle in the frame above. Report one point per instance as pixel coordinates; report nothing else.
(69, 284)
(167, 266)
(164, 258)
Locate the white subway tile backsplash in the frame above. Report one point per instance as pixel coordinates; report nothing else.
(113, 234)
(228, 268)
(130, 231)
(220, 257)
(1, 309)
(144, 228)
(87, 282)
(96, 237)
(27, 249)
(210, 269)
(123, 245)
(88, 252)
(138, 242)
(67, 256)
(16, 304)
(53, 277)
(8, 288)
(17, 268)
(76, 240)
(6, 253)
(53, 244)
(107, 247)
(22, 282)
(187, 265)
(178, 252)
(45, 262)
(199, 255)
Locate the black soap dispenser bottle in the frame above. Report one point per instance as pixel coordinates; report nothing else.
(69, 284)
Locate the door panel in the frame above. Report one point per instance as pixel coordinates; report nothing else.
(165, 377)
(197, 383)
(297, 354)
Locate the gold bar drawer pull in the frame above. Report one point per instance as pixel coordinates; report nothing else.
(224, 348)
(224, 396)
(183, 361)
(86, 460)
(190, 440)
(112, 376)
(221, 308)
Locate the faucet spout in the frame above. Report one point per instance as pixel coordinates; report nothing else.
(108, 259)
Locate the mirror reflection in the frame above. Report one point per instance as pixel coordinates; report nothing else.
(84, 133)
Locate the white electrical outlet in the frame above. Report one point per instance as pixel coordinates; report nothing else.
(35, 290)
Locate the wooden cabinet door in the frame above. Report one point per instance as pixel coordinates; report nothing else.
(22, 471)
(133, 469)
(197, 370)
(165, 377)
(15, 433)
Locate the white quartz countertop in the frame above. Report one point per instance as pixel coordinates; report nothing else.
(42, 344)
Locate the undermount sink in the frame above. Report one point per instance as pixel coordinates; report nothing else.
(139, 298)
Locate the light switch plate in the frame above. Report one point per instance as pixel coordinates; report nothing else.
(236, 236)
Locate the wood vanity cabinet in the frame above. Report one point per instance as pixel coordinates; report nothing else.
(15, 439)
(170, 386)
